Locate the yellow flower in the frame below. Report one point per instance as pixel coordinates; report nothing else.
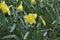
(16, 0)
(43, 21)
(4, 7)
(30, 18)
(32, 1)
(20, 8)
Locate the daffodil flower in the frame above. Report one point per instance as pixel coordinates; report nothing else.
(30, 18)
(43, 21)
(32, 1)
(4, 7)
(20, 7)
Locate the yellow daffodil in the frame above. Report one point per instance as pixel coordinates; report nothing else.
(32, 1)
(20, 7)
(43, 21)
(4, 7)
(30, 18)
(16, 0)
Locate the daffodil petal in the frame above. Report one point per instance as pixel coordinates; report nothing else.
(35, 15)
(34, 21)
